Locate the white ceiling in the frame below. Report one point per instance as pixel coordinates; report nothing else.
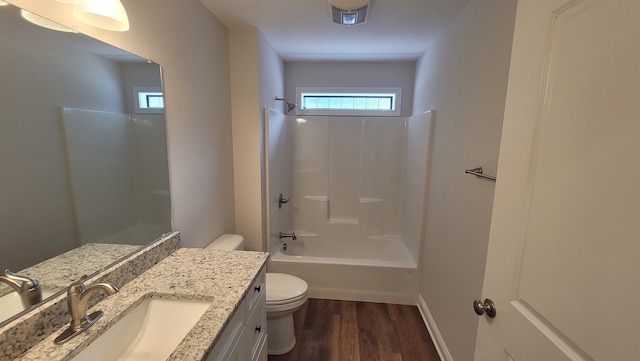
(303, 30)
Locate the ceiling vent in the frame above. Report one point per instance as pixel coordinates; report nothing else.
(349, 12)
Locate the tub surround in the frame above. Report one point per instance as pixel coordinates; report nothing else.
(22, 333)
(356, 206)
(222, 277)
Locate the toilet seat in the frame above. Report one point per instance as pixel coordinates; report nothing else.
(285, 289)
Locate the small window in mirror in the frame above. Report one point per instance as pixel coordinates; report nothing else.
(148, 100)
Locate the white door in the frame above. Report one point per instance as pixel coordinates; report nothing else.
(564, 254)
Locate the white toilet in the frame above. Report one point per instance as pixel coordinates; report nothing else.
(285, 295)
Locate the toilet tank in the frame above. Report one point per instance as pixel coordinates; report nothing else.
(228, 242)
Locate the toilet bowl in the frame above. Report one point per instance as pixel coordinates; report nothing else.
(285, 295)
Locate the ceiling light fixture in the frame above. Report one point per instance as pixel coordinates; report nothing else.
(349, 12)
(104, 14)
(2, 3)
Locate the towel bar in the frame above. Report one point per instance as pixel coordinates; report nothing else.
(477, 171)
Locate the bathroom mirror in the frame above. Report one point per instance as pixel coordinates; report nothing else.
(82, 152)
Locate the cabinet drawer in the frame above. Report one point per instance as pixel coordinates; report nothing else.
(256, 330)
(256, 291)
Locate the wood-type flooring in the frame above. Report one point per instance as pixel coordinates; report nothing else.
(330, 330)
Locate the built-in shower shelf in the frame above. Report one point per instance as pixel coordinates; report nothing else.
(370, 200)
(343, 221)
(385, 236)
(305, 234)
(317, 198)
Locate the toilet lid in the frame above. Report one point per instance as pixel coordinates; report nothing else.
(283, 287)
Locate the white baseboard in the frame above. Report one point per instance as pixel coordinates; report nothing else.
(438, 341)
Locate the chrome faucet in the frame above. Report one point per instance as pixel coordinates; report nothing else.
(291, 235)
(77, 296)
(27, 287)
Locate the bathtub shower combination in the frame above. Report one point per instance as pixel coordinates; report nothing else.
(117, 167)
(355, 188)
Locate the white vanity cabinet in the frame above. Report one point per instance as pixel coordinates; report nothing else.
(245, 336)
(256, 328)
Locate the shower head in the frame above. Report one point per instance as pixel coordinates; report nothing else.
(290, 106)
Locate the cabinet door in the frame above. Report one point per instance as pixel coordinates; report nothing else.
(231, 349)
(261, 355)
(239, 352)
(231, 338)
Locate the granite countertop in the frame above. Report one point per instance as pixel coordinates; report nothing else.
(221, 277)
(58, 272)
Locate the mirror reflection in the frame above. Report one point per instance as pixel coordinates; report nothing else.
(82, 152)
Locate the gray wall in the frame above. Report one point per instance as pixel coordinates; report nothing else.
(463, 76)
(257, 78)
(351, 74)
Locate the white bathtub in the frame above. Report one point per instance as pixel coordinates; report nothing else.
(374, 269)
(373, 251)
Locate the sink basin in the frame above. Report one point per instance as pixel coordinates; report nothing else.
(151, 331)
(10, 304)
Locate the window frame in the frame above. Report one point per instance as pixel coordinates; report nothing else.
(136, 100)
(396, 93)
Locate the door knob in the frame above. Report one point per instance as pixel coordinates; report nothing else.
(487, 307)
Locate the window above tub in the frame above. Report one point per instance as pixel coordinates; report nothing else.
(148, 100)
(349, 101)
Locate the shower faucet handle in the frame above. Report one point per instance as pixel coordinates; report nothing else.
(282, 200)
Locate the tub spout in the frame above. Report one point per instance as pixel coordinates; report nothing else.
(291, 235)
